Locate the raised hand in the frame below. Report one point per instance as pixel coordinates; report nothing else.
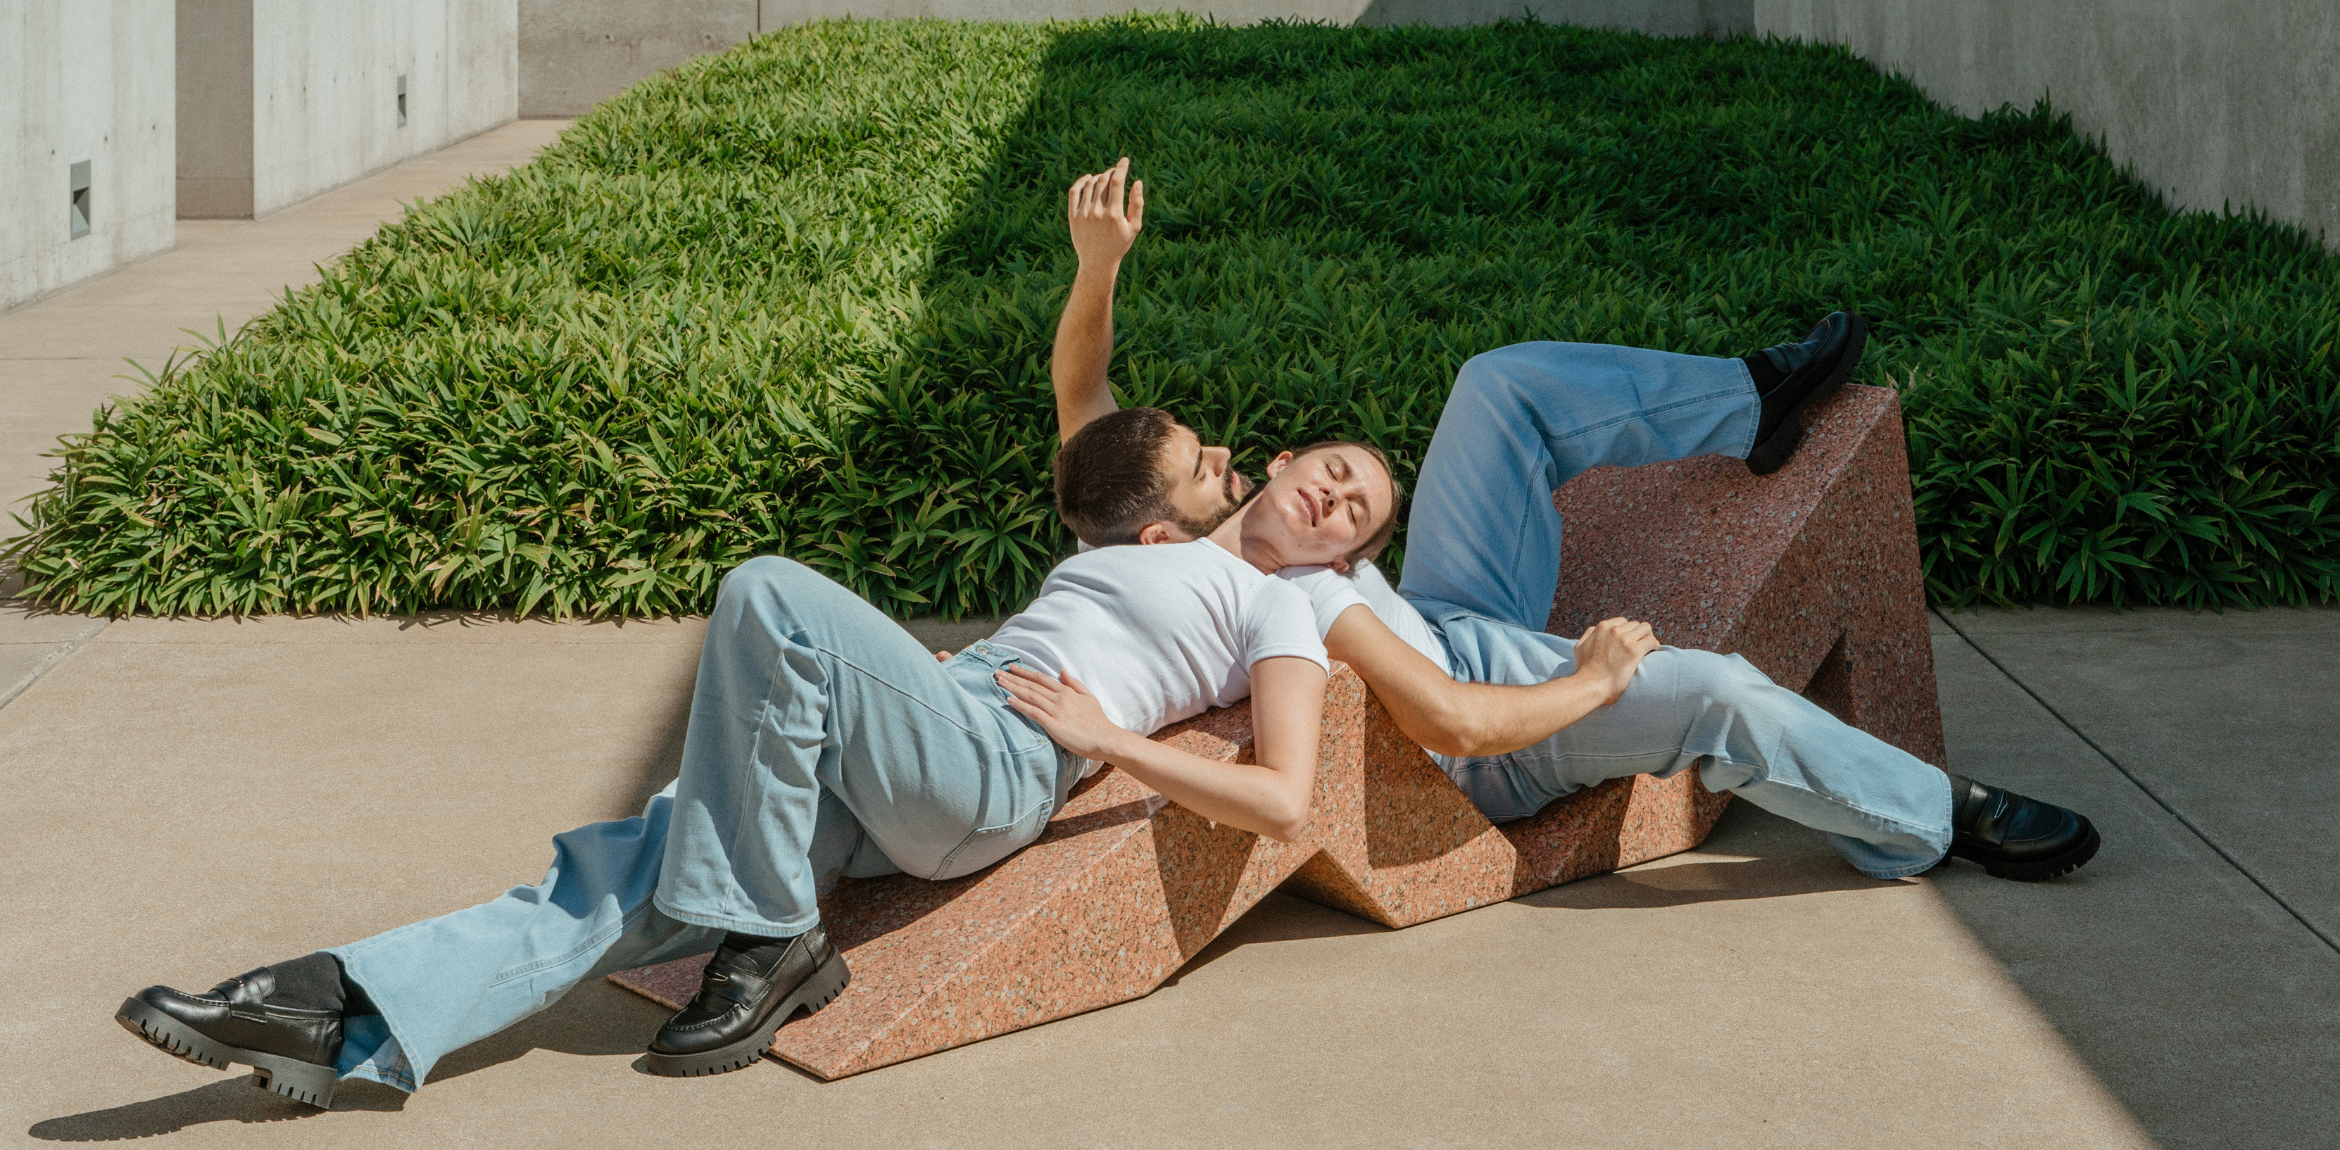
(1064, 709)
(1104, 221)
(1611, 650)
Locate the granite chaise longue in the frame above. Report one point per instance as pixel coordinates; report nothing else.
(1811, 574)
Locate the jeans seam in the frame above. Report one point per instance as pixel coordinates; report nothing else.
(1677, 405)
(1045, 806)
(801, 639)
(625, 923)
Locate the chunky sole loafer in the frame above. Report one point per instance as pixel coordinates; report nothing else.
(2016, 837)
(1834, 347)
(739, 1007)
(295, 1078)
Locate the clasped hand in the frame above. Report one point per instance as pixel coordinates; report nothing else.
(1612, 650)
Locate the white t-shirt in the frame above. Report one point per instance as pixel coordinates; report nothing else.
(1332, 593)
(1161, 633)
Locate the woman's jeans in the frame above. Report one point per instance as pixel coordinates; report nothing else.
(823, 740)
(1483, 561)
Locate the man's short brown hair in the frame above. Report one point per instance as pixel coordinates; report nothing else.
(1110, 481)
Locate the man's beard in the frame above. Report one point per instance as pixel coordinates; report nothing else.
(1201, 526)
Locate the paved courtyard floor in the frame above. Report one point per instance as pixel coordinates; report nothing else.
(190, 798)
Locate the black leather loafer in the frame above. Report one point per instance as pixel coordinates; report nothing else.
(1815, 369)
(742, 1003)
(290, 1051)
(2017, 837)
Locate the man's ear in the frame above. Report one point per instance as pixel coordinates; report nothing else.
(1161, 533)
(1278, 464)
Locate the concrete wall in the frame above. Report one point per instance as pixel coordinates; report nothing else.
(282, 99)
(2213, 102)
(577, 53)
(324, 86)
(82, 80)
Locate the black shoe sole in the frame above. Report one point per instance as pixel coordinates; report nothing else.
(820, 988)
(2040, 870)
(1773, 453)
(291, 1077)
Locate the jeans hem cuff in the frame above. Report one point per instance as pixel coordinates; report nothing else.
(398, 1082)
(763, 928)
(1900, 872)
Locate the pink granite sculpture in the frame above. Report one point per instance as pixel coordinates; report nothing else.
(1810, 573)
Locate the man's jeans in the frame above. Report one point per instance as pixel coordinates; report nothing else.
(1483, 561)
(823, 740)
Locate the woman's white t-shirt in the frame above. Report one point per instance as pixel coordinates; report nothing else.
(1332, 592)
(1162, 633)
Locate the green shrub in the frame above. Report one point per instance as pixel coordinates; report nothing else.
(799, 298)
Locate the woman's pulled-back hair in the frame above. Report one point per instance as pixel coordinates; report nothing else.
(1109, 476)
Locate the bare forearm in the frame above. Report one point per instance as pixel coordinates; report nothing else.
(1460, 718)
(1084, 349)
(1490, 718)
(1255, 798)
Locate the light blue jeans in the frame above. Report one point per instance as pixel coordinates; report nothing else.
(823, 740)
(1483, 561)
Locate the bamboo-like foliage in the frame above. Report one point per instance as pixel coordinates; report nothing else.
(799, 297)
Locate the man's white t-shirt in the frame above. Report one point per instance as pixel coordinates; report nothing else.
(1332, 592)
(1162, 633)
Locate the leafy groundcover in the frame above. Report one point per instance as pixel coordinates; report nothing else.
(799, 298)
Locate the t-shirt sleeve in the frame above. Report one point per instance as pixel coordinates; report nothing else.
(1329, 593)
(1281, 620)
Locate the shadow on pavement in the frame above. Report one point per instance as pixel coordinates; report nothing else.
(1683, 884)
(232, 1100)
(2196, 1000)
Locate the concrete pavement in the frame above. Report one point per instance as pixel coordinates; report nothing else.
(192, 798)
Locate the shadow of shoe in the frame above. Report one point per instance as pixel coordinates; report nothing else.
(232, 1100)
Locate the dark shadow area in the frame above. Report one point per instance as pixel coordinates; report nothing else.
(233, 1100)
(1778, 860)
(1686, 883)
(1201, 865)
(1278, 918)
(2196, 999)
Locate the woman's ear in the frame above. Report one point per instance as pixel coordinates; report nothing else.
(1339, 565)
(1278, 464)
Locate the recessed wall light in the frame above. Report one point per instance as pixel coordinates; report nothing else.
(78, 217)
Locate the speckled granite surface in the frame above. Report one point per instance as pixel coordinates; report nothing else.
(1811, 573)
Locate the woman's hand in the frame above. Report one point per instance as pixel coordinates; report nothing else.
(1611, 650)
(1066, 710)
